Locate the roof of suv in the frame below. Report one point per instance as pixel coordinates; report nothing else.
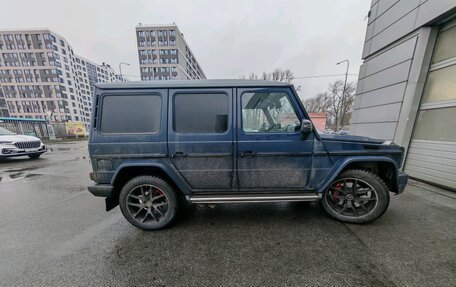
(190, 84)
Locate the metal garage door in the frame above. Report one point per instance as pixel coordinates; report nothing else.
(432, 151)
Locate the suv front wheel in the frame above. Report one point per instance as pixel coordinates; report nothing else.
(356, 196)
(148, 202)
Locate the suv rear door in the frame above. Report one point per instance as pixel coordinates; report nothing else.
(200, 137)
(270, 151)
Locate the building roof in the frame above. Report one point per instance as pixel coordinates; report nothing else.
(191, 84)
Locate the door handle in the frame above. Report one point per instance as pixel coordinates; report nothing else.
(247, 153)
(178, 154)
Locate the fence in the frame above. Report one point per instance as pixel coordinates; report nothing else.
(24, 126)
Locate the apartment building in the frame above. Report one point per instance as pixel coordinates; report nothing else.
(406, 88)
(41, 77)
(165, 55)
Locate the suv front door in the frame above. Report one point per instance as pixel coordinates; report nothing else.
(200, 137)
(271, 154)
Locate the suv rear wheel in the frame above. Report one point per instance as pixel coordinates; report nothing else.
(148, 202)
(356, 196)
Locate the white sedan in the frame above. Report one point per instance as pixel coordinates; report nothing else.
(12, 144)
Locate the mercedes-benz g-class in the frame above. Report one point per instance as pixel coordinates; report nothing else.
(229, 141)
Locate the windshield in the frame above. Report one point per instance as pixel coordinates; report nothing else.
(5, 132)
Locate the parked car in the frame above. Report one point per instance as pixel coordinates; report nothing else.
(343, 132)
(229, 141)
(12, 144)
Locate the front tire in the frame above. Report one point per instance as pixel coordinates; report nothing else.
(356, 196)
(148, 202)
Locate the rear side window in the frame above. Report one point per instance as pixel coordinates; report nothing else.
(201, 113)
(131, 114)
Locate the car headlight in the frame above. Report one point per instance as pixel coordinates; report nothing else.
(4, 142)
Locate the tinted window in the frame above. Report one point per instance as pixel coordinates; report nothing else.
(201, 113)
(131, 114)
(268, 113)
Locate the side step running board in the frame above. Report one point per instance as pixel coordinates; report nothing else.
(238, 198)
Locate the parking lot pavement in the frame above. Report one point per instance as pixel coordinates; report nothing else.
(55, 233)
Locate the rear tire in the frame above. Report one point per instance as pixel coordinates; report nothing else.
(356, 196)
(34, 156)
(148, 202)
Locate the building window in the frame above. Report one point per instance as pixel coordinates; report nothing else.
(441, 85)
(436, 124)
(435, 120)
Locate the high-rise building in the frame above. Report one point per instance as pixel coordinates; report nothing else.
(42, 77)
(165, 55)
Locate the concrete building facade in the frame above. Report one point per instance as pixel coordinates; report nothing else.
(165, 55)
(42, 78)
(407, 84)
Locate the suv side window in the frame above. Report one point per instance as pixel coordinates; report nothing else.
(268, 112)
(130, 114)
(201, 113)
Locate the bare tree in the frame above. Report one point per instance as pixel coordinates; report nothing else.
(336, 102)
(318, 104)
(282, 75)
(342, 102)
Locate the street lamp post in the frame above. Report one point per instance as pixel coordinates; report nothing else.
(343, 92)
(120, 68)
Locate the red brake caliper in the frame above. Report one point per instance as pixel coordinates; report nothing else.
(158, 191)
(336, 193)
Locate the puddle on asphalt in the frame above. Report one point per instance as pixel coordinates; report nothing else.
(22, 169)
(69, 148)
(63, 148)
(32, 175)
(18, 175)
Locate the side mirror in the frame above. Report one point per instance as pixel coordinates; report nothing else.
(306, 127)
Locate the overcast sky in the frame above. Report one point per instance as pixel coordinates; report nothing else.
(228, 38)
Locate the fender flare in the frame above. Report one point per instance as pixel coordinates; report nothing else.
(341, 164)
(166, 168)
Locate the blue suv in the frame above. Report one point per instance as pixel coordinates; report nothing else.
(229, 141)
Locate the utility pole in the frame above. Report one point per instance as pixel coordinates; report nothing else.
(343, 95)
(120, 68)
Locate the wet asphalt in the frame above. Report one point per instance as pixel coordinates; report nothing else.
(53, 232)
